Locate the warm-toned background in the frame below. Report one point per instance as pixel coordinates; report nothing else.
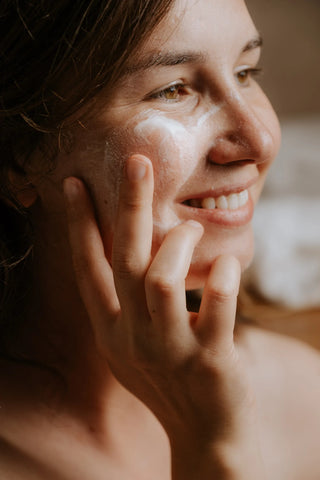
(291, 29)
(286, 267)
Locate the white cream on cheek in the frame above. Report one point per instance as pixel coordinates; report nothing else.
(178, 150)
(174, 136)
(184, 139)
(175, 149)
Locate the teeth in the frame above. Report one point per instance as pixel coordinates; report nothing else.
(209, 203)
(230, 202)
(233, 201)
(222, 202)
(243, 197)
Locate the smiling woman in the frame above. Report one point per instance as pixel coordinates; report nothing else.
(193, 114)
(135, 143)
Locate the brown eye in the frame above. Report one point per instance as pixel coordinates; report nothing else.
(171, 93)
(243, 76)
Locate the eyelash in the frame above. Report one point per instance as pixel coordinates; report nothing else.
(249, 73)
(174, 88)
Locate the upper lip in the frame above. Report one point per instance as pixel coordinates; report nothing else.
(218, 192)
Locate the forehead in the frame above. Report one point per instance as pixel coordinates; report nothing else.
(216, 25)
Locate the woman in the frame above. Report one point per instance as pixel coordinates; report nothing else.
(161, 138)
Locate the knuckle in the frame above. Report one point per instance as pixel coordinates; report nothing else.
(222, 293)
(223, 354)
(160, 284)
(213, 360)
(133, 203)
(126, 266)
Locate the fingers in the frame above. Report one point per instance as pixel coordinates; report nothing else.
(133, 232)
(147, 290)
(93, 272)
(165, 280)
(215, 324)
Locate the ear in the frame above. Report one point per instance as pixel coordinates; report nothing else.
(23, 190)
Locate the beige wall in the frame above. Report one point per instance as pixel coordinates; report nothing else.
(291, 55)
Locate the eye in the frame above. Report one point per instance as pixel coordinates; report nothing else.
(243, 76)
(171, 93)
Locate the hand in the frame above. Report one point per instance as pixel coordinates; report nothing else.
(184, 366)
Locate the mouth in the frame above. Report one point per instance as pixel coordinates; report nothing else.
(233, 201)
(230, 209)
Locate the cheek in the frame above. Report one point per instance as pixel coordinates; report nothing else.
(171, 147)
(104, 178)
(174, 150)
(173, 163)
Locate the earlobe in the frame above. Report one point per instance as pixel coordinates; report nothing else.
(22, 189)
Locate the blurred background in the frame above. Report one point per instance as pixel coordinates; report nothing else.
(286, 268)
(291, 55)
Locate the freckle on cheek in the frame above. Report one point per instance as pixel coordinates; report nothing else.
(174, 148)
(113, 166)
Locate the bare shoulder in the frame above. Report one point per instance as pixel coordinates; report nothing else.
(285, 374)
(272, 348)
(278, 361)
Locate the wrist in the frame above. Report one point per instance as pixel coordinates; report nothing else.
(218, 461)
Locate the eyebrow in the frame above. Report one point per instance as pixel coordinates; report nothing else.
(256, 42)
(168, 59)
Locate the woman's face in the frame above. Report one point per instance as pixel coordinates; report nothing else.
(191, 104)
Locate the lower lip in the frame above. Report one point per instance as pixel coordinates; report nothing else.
(227, 218)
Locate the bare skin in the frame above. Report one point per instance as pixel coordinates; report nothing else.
(289, 442)
(129, 442)
(29, 413)
(144, 386)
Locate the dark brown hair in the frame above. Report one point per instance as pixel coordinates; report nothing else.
(55, 56)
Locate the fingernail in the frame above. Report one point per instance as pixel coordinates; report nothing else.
(70, 188)
(195, 224)
(135, 170)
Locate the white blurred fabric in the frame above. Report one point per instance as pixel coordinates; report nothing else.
(286, 267)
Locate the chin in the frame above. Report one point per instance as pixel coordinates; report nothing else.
(200, 267)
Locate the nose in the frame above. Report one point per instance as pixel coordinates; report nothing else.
(243, 135)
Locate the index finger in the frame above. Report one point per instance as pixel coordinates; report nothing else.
(133, 231)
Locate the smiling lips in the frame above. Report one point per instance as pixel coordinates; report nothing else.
(232, 210)
(223, 202)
